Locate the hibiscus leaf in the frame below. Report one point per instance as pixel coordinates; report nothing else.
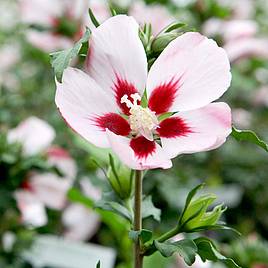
(186, 248)
(144, 235)
(248, 135)
(148, 209)
(60, 60)
(114, 207)
(215, 227)
(208, 251)
(93, 18)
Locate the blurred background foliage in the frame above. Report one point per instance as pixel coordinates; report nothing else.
(237, 172)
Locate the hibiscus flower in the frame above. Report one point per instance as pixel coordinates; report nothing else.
(60, 22)
(104, 104)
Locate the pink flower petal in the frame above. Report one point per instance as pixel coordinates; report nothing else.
(209, 127)
(116, 58)
(136, 159)
(201, 67)
(80, 100)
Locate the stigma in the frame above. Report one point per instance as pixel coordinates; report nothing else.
(142, 120)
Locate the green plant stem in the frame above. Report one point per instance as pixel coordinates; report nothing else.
(168, 234)
(138, 217)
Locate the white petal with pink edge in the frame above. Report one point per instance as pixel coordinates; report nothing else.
(121, 146)
(79, 99)
(196, 65)
(209, 127)
(116, 58)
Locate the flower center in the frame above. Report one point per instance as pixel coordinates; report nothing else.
(142, 120)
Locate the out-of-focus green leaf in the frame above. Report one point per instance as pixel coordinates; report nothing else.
(186, 249)
(148, 209)
(248, 135)
(98, 264)
(76, 195)
(115, 207)
(60, 60)
(208, 251)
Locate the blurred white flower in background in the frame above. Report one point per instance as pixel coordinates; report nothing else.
(157, 15)
(62, 22)
(33, 212)
(239, 37)
(10, 54)
(241, 118)
(260, 97)
(34, 134)
(42, 190)
(82, 223)
(8, 15)
(8, 241)
(241, 9)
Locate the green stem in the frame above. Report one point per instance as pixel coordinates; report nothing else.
(168, 234)
(138, 217)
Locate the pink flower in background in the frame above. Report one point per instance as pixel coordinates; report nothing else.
(239, 37)
(241, 118)
(241, 9)
(49, 188)
(260, 97)
(32, 210)
(34, 134)
(62, 22)
(80, 222)
(103, 105)
(247, 48)
(230, 30)
(42, 190)
(157, 15)
(61, 158)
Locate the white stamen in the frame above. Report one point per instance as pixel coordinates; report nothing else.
(136, 97)
(125, 100)
(142, 120)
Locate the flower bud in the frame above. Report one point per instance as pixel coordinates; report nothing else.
(161, 41)
(196, 216)
(120, 178)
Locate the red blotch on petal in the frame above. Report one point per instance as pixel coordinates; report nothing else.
(121, 88)
(114, 122)
(163, 96)
(26, 185)
(142, 147)
(173, 127)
